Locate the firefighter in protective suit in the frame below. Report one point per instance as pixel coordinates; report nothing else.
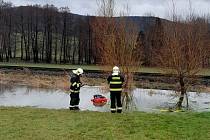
(75, 89)
(115, 81)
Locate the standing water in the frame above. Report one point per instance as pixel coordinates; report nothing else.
(147, 100)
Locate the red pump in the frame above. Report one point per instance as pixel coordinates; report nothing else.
(99, 100)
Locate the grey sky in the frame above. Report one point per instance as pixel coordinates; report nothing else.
(160, 8)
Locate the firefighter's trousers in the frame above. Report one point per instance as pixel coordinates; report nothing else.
(116, 96)
(74, 101)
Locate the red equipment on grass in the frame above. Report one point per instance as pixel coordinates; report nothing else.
(99, 100)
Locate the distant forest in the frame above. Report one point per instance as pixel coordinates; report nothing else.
(46, 34)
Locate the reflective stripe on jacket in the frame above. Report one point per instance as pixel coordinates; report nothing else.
(115, 82)
(75, 84)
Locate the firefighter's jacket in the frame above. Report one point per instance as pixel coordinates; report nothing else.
(115, 82)
(75, 84)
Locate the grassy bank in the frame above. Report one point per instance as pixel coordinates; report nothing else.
(48, 66)
(60, 80)
(57, 77)
(146, 70)
(37, 124)
(43, 80)
(69, 67)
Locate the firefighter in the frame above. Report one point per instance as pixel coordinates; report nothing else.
(115, 81)
(75, 89)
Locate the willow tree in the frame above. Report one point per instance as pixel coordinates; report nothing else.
(183, 50)
(117, 43)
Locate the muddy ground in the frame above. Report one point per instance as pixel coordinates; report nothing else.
(60, 79)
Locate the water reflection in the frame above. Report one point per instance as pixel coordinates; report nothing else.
(153, 100)
(144, 99)
(4, 88)
(46, 98)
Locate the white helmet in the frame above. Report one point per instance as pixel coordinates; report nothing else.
(78, 71)
(115, 70)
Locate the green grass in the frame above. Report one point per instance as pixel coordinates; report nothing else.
(67, 66)
(43, 124)
(49, 66)
(149, 70)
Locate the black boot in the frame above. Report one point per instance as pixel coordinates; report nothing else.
(113, 110)
(71, 108)
(119, 111)
(76, 108)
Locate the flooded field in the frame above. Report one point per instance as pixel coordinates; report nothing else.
(147, 100)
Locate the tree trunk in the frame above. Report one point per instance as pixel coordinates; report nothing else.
(22, 32)
(183, 92)
(36, 53)
(56, 46)
(127, 92)
(9, 38)
(28, 42)
(43, 45)
(90, 47)
(74, 51)
(15, 46)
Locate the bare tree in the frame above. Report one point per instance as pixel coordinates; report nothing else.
(116, 40)
(183, 51)
(6, 30)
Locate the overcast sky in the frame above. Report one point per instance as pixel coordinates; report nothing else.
(160, 8)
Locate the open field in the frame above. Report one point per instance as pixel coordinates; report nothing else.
(149, 70)
(36, 124)
(43, 66)
(48, 66)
